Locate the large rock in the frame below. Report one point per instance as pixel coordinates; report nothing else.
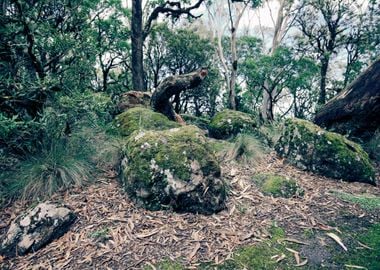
(309, 147)
(36, 228)
(133, 99)
(173, 169)
(142, 119)
(228, 123)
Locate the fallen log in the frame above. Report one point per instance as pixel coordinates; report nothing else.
(356, 110)
(173, 85)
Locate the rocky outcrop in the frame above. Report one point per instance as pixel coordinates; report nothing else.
(142, 119)
(36, 228)
(309, 147)
(133, 99)
(173, 169)
(228, 123)
(278, 186)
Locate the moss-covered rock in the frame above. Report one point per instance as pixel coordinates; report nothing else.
(228, 123)
(139, 118)
(309, 147)
(200, 122)
(278, 186)
(173, 169)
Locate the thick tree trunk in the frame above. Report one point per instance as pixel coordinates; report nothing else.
(174, 85)
(137, 47)
(355, 111)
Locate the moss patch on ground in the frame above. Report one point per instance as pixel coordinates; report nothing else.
(278, 186)
(366, 201)
(138, 118)
(307, 146)
(229, 123)
(366, 254)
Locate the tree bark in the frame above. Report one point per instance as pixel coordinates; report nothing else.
(174, 85)
(322, 91)
(355, 111)
(137, 47)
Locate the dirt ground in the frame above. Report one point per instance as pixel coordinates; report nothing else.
(112, 233)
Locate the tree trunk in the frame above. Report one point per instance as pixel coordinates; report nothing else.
(322, 91)
(355, 111)
(174, 85)
(267, 105)
(137, 46)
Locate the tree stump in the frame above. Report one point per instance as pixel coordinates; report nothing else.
(355, 111)
(173, 85)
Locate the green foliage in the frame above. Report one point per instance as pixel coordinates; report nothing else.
(181, 51)
(167, 265)
(278, 186)
(366, 201)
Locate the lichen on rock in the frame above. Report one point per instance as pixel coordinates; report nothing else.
(309, 147)
(173, 169)
(228, 123)
(36, 228)
(139, 118)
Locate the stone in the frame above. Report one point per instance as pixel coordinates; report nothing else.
(310, 147)
(142, 119)
(134, 99)
(173, 169)
(229, 123)
(36, 228)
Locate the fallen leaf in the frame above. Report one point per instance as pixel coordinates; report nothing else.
(355, 266)
(337, 239)
(302, 263)
(197, 246)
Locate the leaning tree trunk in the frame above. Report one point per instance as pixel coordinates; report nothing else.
(173, 85)
(355, 111)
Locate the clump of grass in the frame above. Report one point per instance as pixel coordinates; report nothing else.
(373, 146)
(101, 235)
(246, 149)
(57, 166)
(365, 201)
(167, 265)
(278, 186)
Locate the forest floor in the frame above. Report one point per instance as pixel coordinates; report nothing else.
(112, 233)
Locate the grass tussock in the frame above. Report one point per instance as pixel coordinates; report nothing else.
(365, 201)
(246, 149)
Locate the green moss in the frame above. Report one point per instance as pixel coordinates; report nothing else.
(167, 265)
(260, 256)
(365, 201)
(309, 147)
(228, 123)
(200, 122)
(365, 257)
(138, 118)
(156, 159)
(278, 186)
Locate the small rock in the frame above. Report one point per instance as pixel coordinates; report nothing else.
(36, 228)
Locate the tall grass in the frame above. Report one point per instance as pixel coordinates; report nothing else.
(247, 149)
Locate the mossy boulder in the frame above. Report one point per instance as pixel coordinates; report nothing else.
(278, 186)
(139, 118)
(228, 123)
(309, 147)
(200, 122)
(133, 99)
(173, 169)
